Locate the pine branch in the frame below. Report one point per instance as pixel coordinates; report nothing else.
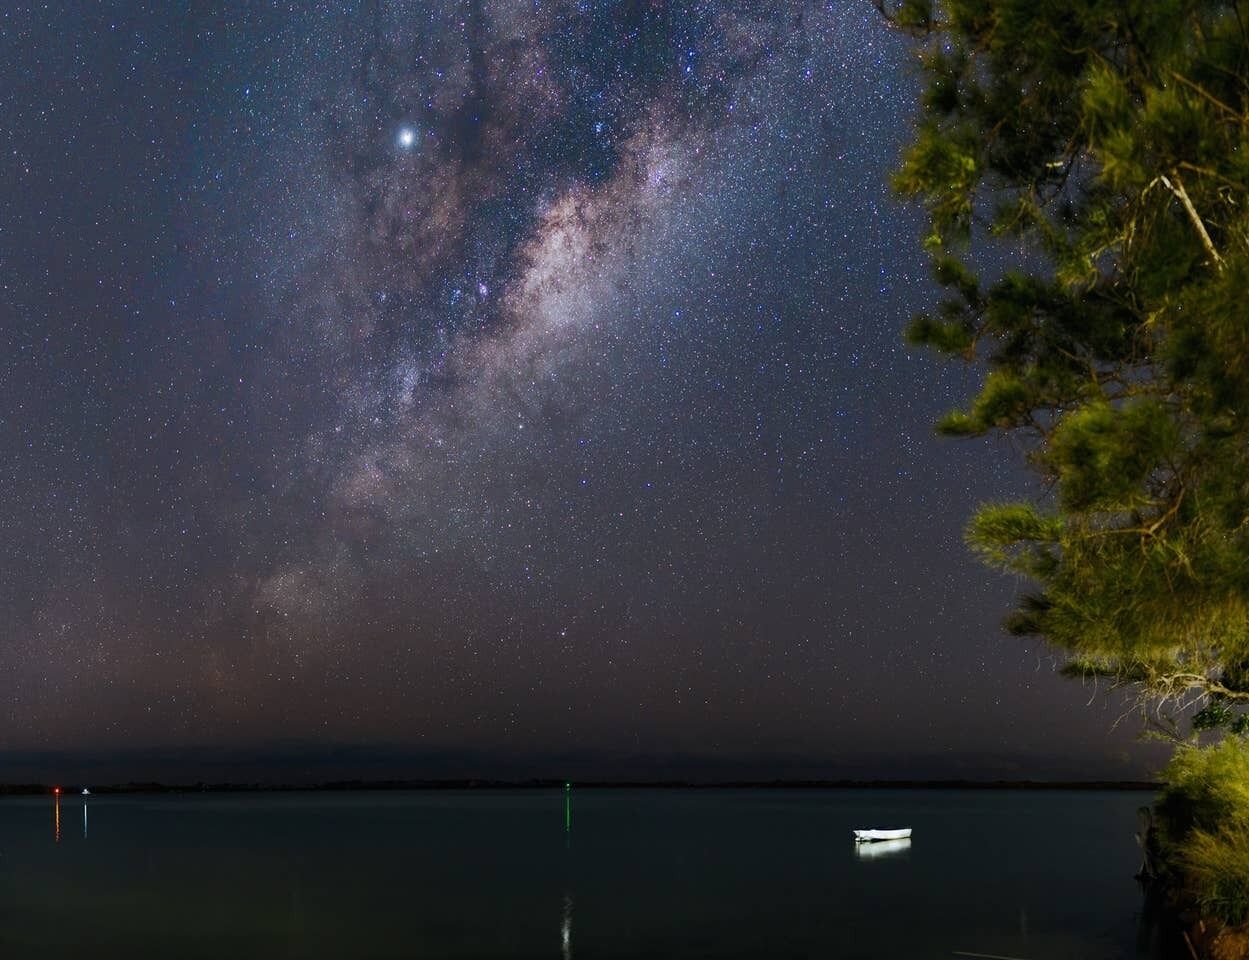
(1176, 186)
(1198, 681)
(1207, 95)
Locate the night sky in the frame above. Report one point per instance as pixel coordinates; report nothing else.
(493, 387)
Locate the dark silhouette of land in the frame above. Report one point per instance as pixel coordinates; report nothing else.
(29, 789)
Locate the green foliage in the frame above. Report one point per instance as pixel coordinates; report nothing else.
(951, 337)
(1212, 716)
(1217, 870)
(1206, 789)
(1109, 140)
(1015, 535)
(915, 15)
(1004, 398)
(942, 166)
(1203, 819)
(1103, 456)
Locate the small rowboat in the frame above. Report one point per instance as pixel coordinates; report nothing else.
(868, 836)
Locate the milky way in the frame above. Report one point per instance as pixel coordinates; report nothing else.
(502, 386)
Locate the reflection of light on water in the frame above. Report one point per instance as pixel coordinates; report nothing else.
(882, 848)
(84, 819)
(565, 930)
(565, 927)
(56, 816)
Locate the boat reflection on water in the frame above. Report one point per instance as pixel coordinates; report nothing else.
(882, 849)
(84, 819)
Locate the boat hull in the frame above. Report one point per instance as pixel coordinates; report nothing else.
(871, 836)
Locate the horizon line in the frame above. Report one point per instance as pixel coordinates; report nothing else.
(539, 783)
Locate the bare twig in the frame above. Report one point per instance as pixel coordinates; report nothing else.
(1176, 186)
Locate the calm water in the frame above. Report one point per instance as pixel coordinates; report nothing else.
(638, 873)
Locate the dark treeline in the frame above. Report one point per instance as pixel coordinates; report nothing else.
(29, 789)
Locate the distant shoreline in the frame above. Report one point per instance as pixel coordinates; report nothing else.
(481, 784)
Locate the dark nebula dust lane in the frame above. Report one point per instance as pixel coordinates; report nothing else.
(492, 385)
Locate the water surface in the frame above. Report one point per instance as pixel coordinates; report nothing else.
(1036, 875)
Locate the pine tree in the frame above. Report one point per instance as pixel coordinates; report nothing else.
(1109, 140)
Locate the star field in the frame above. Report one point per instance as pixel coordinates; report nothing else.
(511, 386)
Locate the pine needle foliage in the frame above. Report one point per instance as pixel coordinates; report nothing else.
(1204, 820)
(1109, 141)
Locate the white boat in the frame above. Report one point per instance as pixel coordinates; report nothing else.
(869, 836)
(86, 792)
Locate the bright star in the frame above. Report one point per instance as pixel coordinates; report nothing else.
(407, 137)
